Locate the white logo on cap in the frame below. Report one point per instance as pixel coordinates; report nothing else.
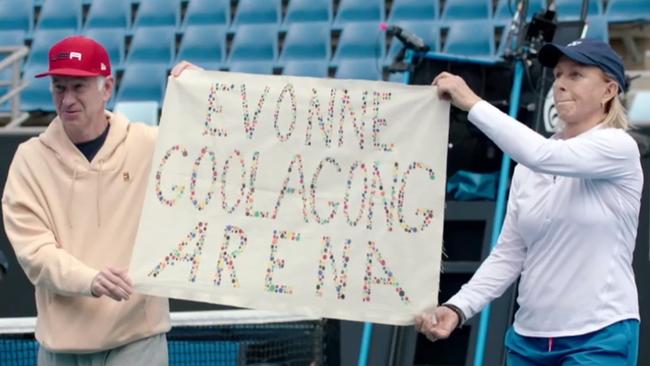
(76, 55)
(102, 66)
(574, 43)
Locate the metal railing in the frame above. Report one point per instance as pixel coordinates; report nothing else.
(13, 61)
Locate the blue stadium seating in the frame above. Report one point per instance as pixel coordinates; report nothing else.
(360, 40)
(36, 96)
(307, 41)
(139, 111)
(351, 11)
(252, 67)
(396, 77)
(152, 45)
(414, 10)
(313, 68)
(504, 12)
(472, 38)
(57, 14)
(640, 109)
(570, 9)
(15, 37)
(207, 12)
(466, 9)
(299, 11)
(257, 12)
(143, 82)
(428, 31)
(16, 14)
(628, 10)
(366, 69)
(158, 13)
(113, 40)
(598, 28)
(43, 40)
(109, 14)
(255, 42)
(204, 45)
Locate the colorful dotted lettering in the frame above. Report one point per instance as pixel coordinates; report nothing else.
(275, 262)
(312, 190)
(428, 214)
(178, 190)
(340, 278)
(179, 255)
(214, 108)
(201, 205)
(287, 89)
(228, 260)
(242, 187)
(390, 280)
(364, 194)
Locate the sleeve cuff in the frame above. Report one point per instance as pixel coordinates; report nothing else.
(85, 280)
(461, 315)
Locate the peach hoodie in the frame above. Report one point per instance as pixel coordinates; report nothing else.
(66, 219)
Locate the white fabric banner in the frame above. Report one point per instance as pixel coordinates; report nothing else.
(311, 196)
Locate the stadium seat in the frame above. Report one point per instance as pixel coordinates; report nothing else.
(396, 77)
(366, 69)
(318, 69)
(109, 14)
(201, 12)
(307, 41)
(466, 9)
(16, 14)
(300, 11)
(113, 40)
(204, 45)
(414, 10)
(152, 45)
(252, 67)
(598, 28)
(360, 40)
(153, 13)
(142, 82)
(15, 37)
(139, 111)
(472, 38)
(351, 11)
(505, 9)
(255, 42)
(570, 9)
(36, 96)
(628, 10)
(639, 111)
(57, 14)
(428, 31)
(257, 12)
(40, 48)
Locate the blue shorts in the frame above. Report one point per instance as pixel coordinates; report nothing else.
(614, 345)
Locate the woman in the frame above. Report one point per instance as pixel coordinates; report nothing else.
(571, 222)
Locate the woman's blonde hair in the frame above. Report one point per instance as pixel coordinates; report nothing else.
(616, 114)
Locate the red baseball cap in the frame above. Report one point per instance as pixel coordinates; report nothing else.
(78, 56)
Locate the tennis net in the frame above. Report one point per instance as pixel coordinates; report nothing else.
(215, 338)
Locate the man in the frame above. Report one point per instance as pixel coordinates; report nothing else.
(71, 207)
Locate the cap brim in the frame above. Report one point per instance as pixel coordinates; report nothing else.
(67, 72)
(550, 54)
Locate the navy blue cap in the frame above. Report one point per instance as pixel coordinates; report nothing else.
(588, 52)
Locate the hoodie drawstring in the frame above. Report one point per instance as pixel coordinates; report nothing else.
(99, 194)
(71, 195)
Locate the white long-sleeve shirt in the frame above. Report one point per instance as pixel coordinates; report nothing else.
(569, 230)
